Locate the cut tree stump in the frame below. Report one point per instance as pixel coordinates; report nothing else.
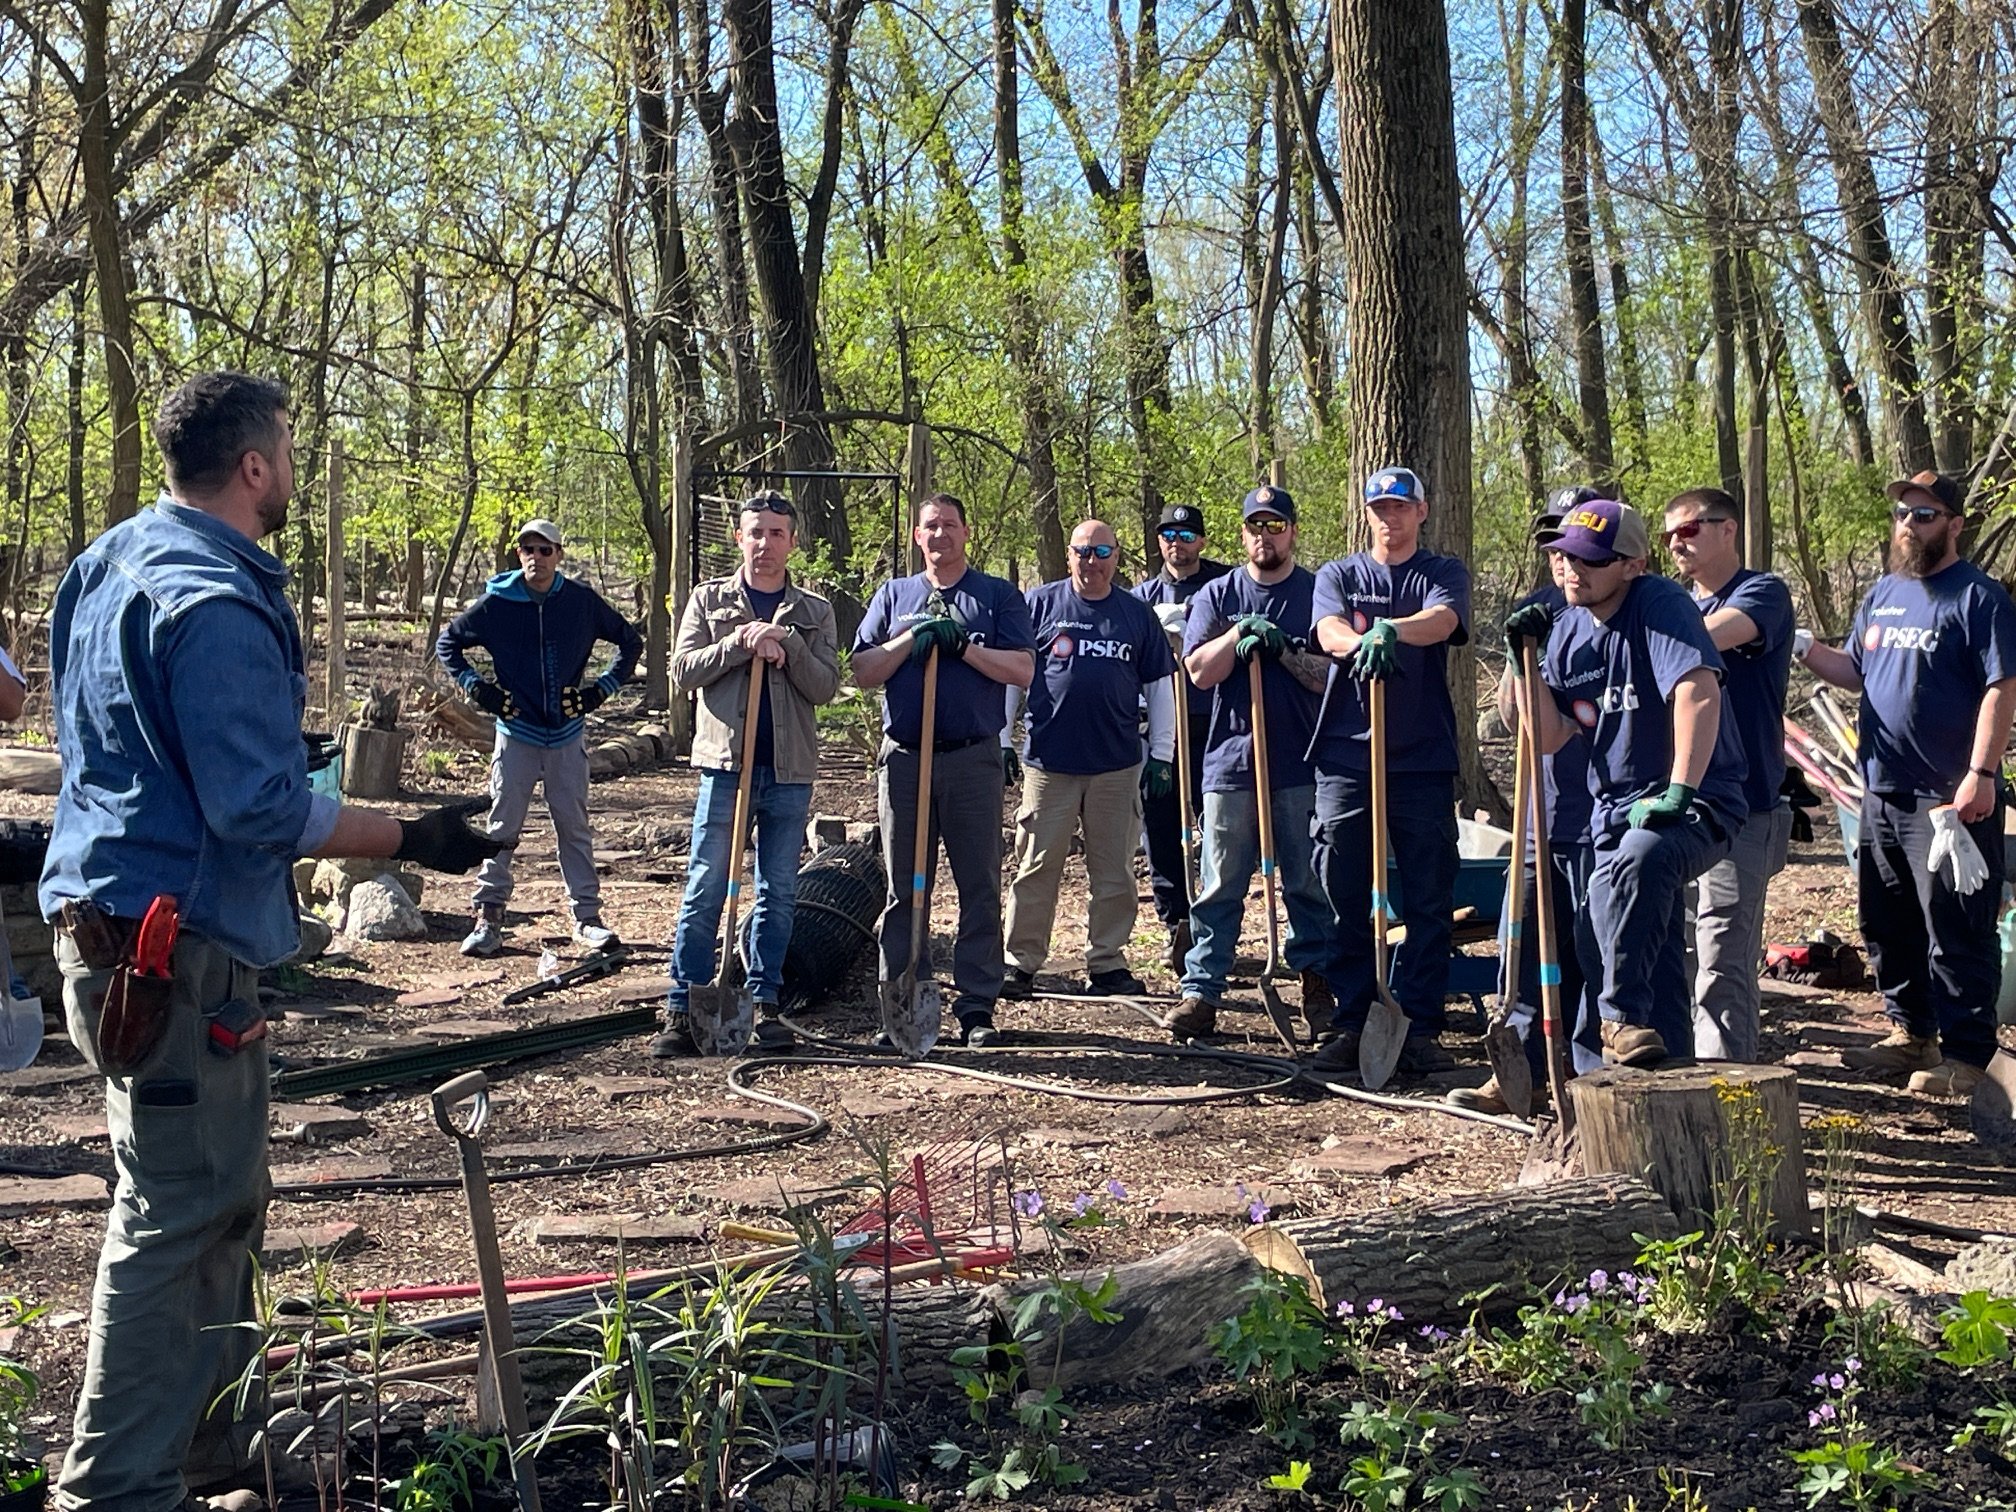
(1668, 1126)
(1438, 1261)
(371, 761)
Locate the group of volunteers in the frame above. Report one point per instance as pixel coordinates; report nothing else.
(178, 683)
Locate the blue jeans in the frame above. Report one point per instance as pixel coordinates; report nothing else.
(779, 810)
(1638, 914)
(1421, 819)
(1231, 855)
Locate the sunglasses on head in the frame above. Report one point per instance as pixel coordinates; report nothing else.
(1268, 527)
(1101, 551)
(1920, 514)
(1692, 528)
(536, 548)
(1179, 533)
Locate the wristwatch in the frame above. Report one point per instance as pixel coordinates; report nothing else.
(1989, 772)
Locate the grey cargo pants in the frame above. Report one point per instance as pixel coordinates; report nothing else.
(516, 767)
(966, 787)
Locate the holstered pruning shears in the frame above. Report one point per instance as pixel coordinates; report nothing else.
(154, 942)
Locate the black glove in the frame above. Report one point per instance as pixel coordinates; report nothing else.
(444, 840)
(586, 699)
(1158, 778)
(1011, 767)
(494, 699)
(1529, 622)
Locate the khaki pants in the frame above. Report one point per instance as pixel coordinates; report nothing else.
(1056, 805)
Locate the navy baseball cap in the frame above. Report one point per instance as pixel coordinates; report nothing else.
(1395, 483)
(1547, 523)
(1182, 516)
(1267, 499)
(1941, 490)
(1602, 530)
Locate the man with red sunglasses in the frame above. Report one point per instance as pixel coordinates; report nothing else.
(1933, 654)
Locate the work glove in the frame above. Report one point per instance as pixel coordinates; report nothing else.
(1802, 642)
(944, 633)
(1529, 622)
(1172, 617)
(493, 699)
(576, 702)
(1954, 855)
(1377, 656)
(1258, 636)
(1665, 811)
(444, 840)
(1011, 767)
(1158, 778)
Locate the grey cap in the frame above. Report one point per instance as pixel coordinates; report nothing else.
(546, 530)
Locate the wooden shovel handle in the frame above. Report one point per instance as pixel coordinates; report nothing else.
(1543, 899)
(920, 849)
(744, 780)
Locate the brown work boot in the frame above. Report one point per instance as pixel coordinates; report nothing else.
(1193, 1019)
(1950, 1078)
(1338, 1053)
(1898, 1052)
(1632, 1044)
(1488, 1099)
(1318, 1003)
(1179, 947)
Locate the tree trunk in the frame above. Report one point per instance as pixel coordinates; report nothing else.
(1622, 309)
(1954, 230)
(73, 472)
(1585, 311)
(1266, 280)
(415, 430)
(14, 335)
(736, 330)
(108, 259)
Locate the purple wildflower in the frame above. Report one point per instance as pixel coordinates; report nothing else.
(1081, 1204)
(1345, 1309)
(1029, 1204)
(1257, 1211)
(1433, 1334)
(1824, 1413)
(1821, 1380)
(1836, 1381)
(1599, 1281)
(1852, 1365)
(1114, 1190)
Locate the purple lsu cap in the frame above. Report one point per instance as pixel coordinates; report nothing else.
(1601, 529)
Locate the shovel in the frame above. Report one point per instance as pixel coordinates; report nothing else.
(499, 1344)
(1184, 816)
(1385, 1032)
(1277, 1011)
(723, 1018)
(1543, 907)
(1502, 1045)
(910, 1009)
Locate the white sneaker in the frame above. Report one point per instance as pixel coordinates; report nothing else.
(486, 939)
(593, 933)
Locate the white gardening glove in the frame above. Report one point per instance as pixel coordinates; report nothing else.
(1172, 617)
(1802, 642)
(1954, 851)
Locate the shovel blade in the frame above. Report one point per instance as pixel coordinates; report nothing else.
(20, 1032)
(1507, 1053)
(1992, 1112)
(1380, 1045)
(910, 1015)
(1277, 1013)
(722, 1018)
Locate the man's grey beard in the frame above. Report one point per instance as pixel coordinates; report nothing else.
(1916, 556)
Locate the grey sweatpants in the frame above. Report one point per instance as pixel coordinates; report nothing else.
(175, 1275)
(966, 817)
(516, 767)
(1725, 936)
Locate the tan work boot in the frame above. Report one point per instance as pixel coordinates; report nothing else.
(1488, 1099)
(1632, 1044)
(1950, 1078)
(1193, 1019)
(1896, 1053)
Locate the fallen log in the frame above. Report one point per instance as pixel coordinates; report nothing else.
(1438, 1261)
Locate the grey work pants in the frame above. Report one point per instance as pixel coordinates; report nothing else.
(175, 1276)
(1055, 806)
(1725, 936)
(516, 767)
(965, 816)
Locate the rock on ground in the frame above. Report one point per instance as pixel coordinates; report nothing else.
(381, 910)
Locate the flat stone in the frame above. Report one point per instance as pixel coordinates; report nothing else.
(43, 1078)
(749, 1115)
(303, 1008)
(868, 1105)
(1069, 1139)
(455, 1029)
(33, 1194)
(428, 997)
(624, 1088)
(317, 1122)
(581, 1147)
(1220, 1202)
(1818, 1060)
(1358, 1157)
(85, 1130)
(335, 1168)
(320, 1241)
(1156, 1123)
(1989, 1267)
(648, 992)
(632, 1228)
(763, 1193)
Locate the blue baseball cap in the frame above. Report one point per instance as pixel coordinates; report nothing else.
(1395, 483)
(1267, 499)
(1600, 530)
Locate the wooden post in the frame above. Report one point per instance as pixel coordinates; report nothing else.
(679, 524)
(335, 700)
(919, 470)
(1277, 473)
(1669, 1126)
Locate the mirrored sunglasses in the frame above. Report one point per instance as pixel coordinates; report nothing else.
(1268, 527)
(1101, 551)
(1178, 533)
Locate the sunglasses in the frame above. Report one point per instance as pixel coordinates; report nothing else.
(536, 548)
(1692, 528)
(1576, 561)
(1268, 527)
(1178, 533)
(1101, 551)
(1920, 514)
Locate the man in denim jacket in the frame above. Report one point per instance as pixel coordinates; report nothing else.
(539, 626)
(176, 667)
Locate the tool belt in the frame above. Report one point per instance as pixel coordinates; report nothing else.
(132, 1009)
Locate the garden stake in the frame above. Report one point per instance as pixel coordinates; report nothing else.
(1385, 1034)
(1270, 994)
(722, 1017)
(1502, 1044)
(1185, 816)
(910, 1009)
(1543, 906)
(498, 1341)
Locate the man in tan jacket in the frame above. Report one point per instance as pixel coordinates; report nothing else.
(756, 615)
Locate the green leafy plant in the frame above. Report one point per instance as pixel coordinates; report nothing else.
(1398, 1442)
(447, 1477)
(1890, 1353)
(20, 1388)
(1295, 1479)
(1996, 1424)
(1977, 1330)
(1273, 1347)
(1847, 1466)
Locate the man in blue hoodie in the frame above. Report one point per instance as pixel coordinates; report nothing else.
(538, 626)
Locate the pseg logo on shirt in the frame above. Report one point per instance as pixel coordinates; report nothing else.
(1064, 647)
(1901, 638)
(1621, 699)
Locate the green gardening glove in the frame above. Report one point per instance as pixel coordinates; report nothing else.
(1665, 811)
(1377, 657)
(1529, 622)
(1011, 767)
(1158, 778)
(944, 633)
(1258, 636)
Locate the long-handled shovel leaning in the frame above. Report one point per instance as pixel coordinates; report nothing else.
(500, 1345)
(722, 1016)
(1185, 815)
(911, 1009)
(1270, 993)
(1543, 902)
(1502, 1044)
(1385, 1034)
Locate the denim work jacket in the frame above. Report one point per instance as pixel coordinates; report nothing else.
(179, 687)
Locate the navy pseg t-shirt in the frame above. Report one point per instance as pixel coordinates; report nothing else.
(970, 704)
(1093, 658)
(1614, 680)
(1420, 717)
(1163, 589)
(1568, 797)
(1927, 649)
(764, 606)
(1291, 708)
(1755, 676)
